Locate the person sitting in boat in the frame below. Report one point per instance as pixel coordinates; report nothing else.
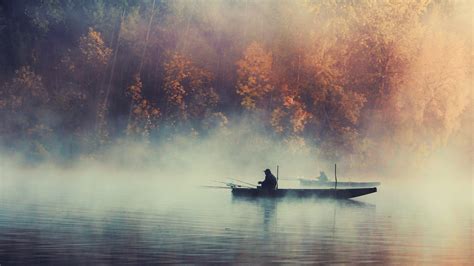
(270, 181)
(323, 177)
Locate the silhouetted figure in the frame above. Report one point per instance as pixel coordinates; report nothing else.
(270, 181)
(323, 177)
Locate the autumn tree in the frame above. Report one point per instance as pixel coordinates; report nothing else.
(92, 47)
(430, 97)
(355, 78)
(374, 48)
(144, 114)
(24, 110)
(84, 68)
(188, 88)
(254, 77)
(290, 115)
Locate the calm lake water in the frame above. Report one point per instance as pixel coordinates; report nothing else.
(63, 222)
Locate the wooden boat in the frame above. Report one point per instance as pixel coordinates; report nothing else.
(321, 183)
(299, 193)
(345, 193)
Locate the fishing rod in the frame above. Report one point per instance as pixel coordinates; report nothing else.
(231, 184)
(253, 186)
(214, 187)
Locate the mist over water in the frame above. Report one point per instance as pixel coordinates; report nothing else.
(116, 114)
(113, 209)
(127, 222)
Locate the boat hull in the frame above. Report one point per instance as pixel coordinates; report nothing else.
(309, 182)
(303, 193)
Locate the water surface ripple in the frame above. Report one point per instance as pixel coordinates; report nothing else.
(210, 226)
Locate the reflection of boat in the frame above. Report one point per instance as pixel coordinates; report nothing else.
(287, 192)
(322, 183)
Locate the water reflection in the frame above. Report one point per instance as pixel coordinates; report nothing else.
(267, 207)
(308, 230)
(214, 227)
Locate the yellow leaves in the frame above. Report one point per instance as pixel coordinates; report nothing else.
(252, 81)
(292, 115)
(21, 98)
(188, 88)
(144, 113)
(83, 70)
(248, 102)
(253, 73)
(135, 90)
(431, 96)
(137, 110)
(26, 90)
(276, 120)
(155, 112)
(299, 119)
(288, 101)
(323, 66)
(94, 49)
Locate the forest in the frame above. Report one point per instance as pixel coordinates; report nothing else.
(359, 80)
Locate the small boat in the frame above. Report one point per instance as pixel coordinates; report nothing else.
(248, 190)
(322, 183)
(300, 193)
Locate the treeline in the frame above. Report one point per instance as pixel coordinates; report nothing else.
(357, 79)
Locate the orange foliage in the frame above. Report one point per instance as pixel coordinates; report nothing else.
(26, 90)
(188, 89)
(144, 115)
(254, 76)
(429, 98)
(93, 49)
(352, 77)
(21, 99)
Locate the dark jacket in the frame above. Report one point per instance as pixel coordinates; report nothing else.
(270, 181)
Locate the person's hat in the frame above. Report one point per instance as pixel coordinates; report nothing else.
(266, 171)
